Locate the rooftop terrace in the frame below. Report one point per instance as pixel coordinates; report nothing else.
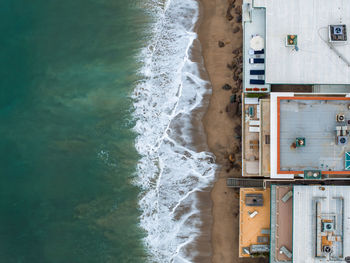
(321, 224)
(256, 137)
(314, 119)
(254, 227)
(281, 222)
(254, 25)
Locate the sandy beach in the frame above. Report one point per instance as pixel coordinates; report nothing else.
(221, 21)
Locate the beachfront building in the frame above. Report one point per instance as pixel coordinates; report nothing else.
(297, 135)
(299, 42)
(309, 135)
(296, 223)
(254, 222)
(296, 84)
(295, 131)
(310, 224)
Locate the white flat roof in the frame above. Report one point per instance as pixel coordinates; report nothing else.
(315, 121)
(304, 219)
(274, 173)
(315, 62)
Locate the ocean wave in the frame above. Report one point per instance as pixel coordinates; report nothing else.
(171, 169)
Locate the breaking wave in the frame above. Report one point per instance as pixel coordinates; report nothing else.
(172, 170)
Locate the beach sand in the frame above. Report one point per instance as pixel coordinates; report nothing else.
(220, 127)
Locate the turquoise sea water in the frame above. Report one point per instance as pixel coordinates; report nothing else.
(66, 147)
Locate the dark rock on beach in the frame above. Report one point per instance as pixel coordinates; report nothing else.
(238, 10)
(235, 89)
(235, 30)
(231, 6)
(236, 51)
(238, 130)
(221, 44)
(227, 87)
(233, 98)
(229, 16)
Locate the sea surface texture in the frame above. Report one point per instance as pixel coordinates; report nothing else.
(173, 169)
(67, 154)
(101, 144)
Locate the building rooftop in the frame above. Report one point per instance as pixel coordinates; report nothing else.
(254, 218)
(281, 222)
(309, 133)
(308, 20)
(251, 131)
(314, 119)
(256, 137)
(254, 25)
(321, 224)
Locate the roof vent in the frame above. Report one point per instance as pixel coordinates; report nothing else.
(337, 33)
(327, 249)
(340, 118)
(342, 140)
(328, 227)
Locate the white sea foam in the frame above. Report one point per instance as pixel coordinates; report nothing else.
(171, 170)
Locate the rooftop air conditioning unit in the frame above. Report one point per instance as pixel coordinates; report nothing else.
(328, 226)
(340, 118)
(327, 249)
(337, 33)
(342, 140)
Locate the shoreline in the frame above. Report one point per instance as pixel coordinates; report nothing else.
(176, 169)
(201, 248)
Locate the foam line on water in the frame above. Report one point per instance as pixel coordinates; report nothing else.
(183, 198)
(171, 171)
